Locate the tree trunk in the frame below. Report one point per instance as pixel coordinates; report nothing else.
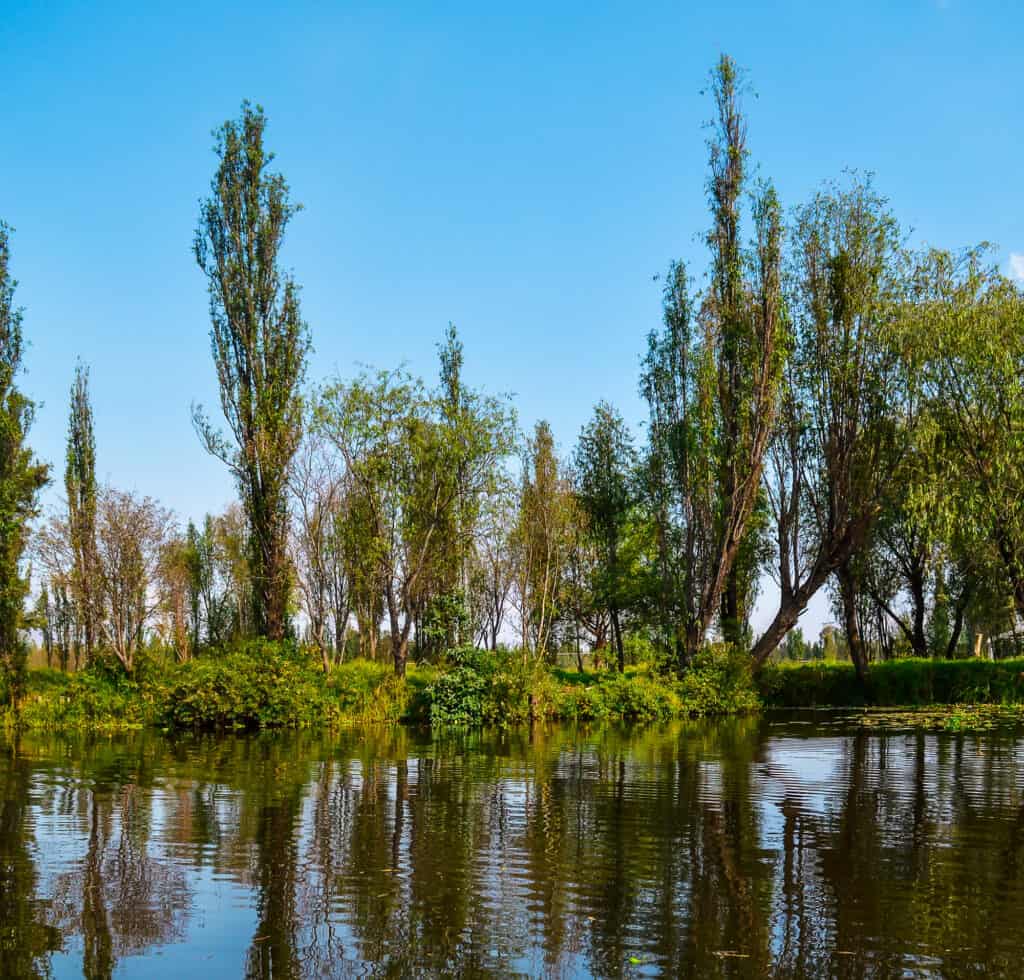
(954, 636)
(854, 640)
(918, 638)
(617, 634)
(730, 612)
(399, 643)
(792, 605)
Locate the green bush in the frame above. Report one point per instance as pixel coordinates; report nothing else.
(719, 682)
(261, 685)
(94, 699)
(457, 697)
(893, 683)
(491, 688)
(462, 694)
(504, 689)
(632, 696)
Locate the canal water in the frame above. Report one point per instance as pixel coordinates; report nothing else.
(800, 846)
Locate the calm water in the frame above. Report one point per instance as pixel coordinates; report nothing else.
(760, 848)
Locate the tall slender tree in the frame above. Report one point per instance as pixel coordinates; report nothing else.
(80, 487)
(713, 383)
(22, 478)
(541, 542)
(260, 345)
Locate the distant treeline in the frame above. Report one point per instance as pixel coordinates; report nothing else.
(833, 409)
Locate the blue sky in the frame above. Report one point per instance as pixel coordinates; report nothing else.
(522, 172)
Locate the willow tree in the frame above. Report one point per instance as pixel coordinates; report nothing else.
(849, 406)
(22, 478)
(80, 487)
(260, 344)
(712, 379)
(974, 331)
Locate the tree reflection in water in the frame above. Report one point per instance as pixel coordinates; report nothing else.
(741, 848)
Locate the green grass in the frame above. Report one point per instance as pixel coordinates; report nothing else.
(894, 683)
(262, 686)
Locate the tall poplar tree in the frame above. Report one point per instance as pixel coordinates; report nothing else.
(260, 344)
(541, 542)
(22, 477)
(80, 487)
(712, 378)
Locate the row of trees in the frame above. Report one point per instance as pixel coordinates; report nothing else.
(833, 409)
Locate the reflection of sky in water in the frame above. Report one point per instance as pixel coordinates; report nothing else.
(749, 847)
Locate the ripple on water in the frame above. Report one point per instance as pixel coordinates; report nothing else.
(740, 849)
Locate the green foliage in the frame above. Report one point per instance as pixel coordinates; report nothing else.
(369, 691)
(261, 685)
(484, 687)
(259, 344)
(620, 697)
(445, 617)
(21, 480)
(419, 464)
(604, 470)
(894, 683)
(95, 699)
(506, 688)
(719, 682)
(457, 697)
(542, 541)
(641, 651)
(81, 490)
(712, 382)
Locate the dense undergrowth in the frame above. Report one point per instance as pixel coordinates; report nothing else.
(262, 686)
(265, 686)
(894, 683)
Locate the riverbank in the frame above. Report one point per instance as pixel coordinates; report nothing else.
(893, 684)
(266, 687)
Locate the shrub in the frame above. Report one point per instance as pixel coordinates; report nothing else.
(261, 685)
(90, 699)
(719, 682)
(494, 688)
(457, 697)
(631, 696)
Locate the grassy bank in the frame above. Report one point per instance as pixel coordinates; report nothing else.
(261, 686)
(265, 687)
(896, 683)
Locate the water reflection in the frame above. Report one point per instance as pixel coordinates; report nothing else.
(743, 848)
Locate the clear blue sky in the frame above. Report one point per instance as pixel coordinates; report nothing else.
(522, 172)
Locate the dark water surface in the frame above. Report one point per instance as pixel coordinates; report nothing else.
(748, 848)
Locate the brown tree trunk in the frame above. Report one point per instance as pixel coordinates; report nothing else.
(617, 634)
(730, 612)
(854, 640)
(399, 638)
(954, 636)
(918, 639)
(794, 603)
